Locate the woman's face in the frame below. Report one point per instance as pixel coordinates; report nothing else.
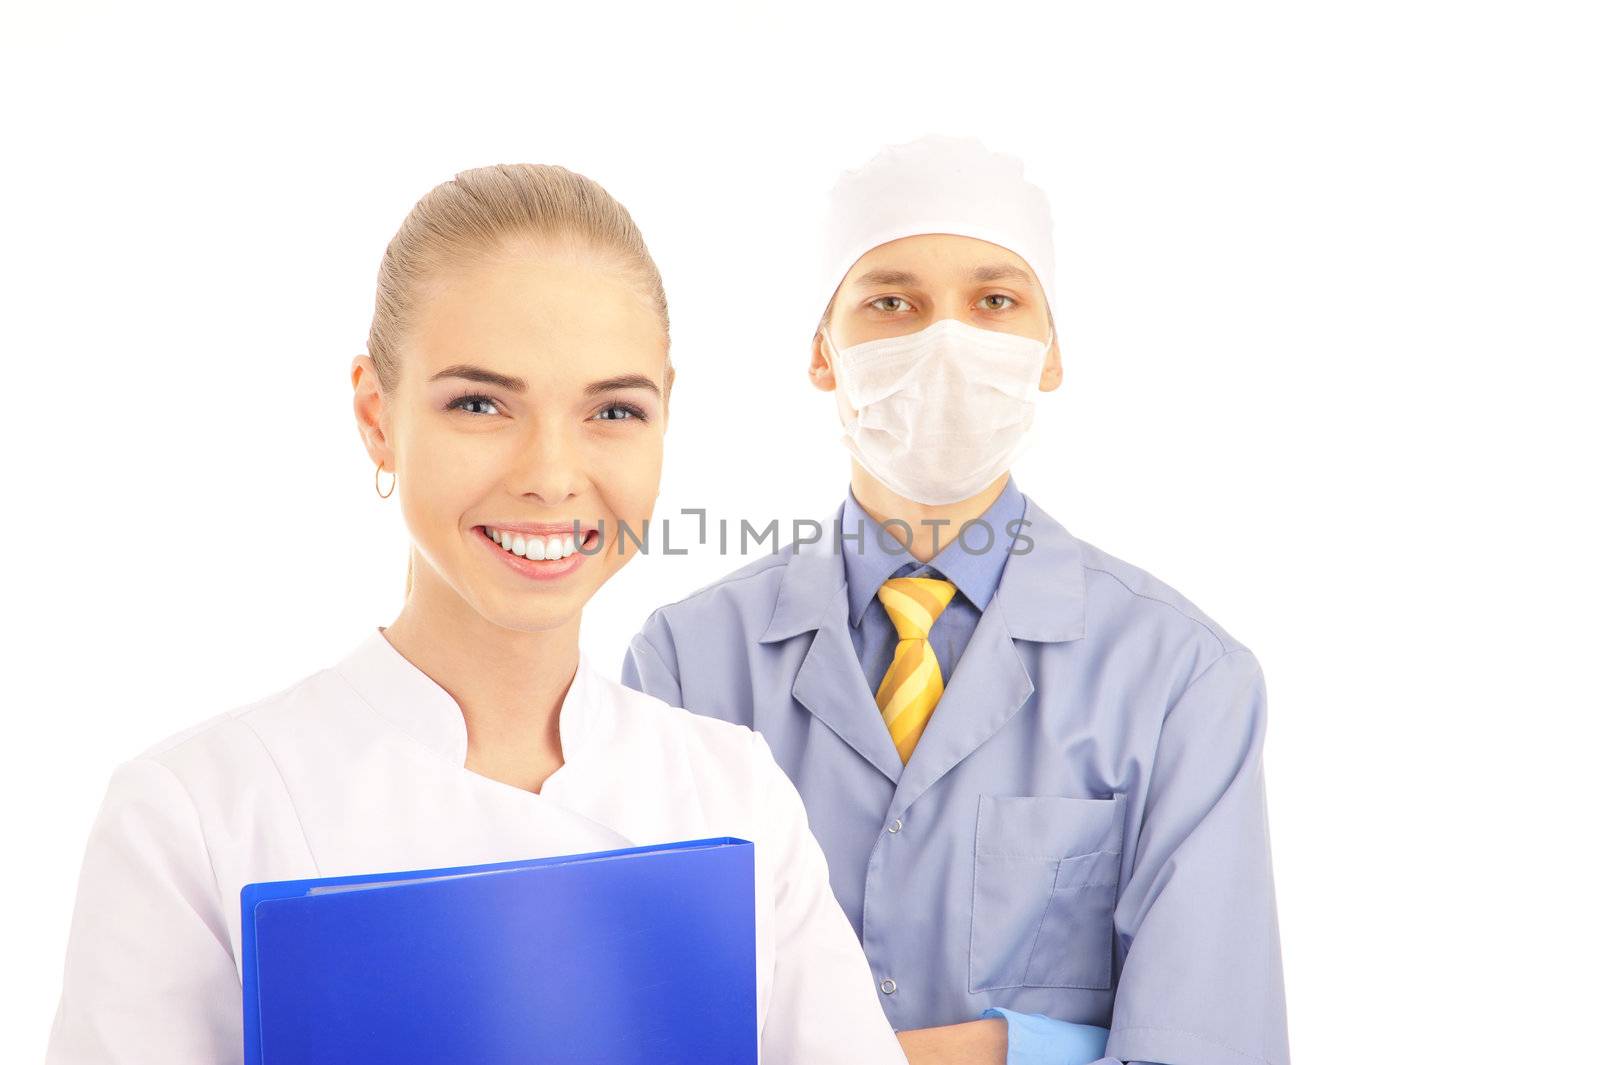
(908, 284)
(530, 397)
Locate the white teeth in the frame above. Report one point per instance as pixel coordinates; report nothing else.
(535, 547)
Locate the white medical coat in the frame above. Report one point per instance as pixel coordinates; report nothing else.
(360, 768)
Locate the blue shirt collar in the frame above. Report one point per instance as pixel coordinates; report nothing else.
(975, 572)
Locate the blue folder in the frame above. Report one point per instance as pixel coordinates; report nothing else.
(612, 958)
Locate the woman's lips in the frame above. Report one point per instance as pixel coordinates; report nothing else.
(539, 551)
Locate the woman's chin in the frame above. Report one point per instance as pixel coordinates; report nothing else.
(533, 605)
(552, 610)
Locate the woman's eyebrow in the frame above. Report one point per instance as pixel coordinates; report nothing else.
(482, 376)
(627, 380)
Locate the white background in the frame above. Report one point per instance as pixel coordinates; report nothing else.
(1328, 297)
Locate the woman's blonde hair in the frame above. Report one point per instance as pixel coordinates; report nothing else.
(481, 213)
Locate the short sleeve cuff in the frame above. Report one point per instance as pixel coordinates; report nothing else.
(1034, 1039)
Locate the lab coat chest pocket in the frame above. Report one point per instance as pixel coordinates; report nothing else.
(1044, 885)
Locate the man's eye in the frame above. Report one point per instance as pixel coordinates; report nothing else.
(881, 304)
(462, 402)
(617, 412)
(989, 305)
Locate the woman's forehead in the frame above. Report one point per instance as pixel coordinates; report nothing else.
(508, 302)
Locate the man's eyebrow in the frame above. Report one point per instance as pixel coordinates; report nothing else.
(999, 272)
(979, 275)
(886, 277)
(627, 380)
(469, 372)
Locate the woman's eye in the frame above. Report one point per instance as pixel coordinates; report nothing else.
(616, 412)
(462, 402)
(882, 301)
(990, 305)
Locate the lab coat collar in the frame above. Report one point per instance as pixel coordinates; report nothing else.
(829, 682)
(976, 574)
(1040, 598)
(812, 578)
(1041, 591)
(417, 705)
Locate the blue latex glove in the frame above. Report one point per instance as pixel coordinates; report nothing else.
(1034, 1039)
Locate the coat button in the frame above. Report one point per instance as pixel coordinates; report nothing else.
(887, 987)
(894, 826)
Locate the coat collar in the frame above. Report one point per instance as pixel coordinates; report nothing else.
(976, 574)
(1040, 598)
(1040, 594)
(416, 704)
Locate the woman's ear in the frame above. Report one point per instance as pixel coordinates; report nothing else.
(821, 365)
(1050, 376)
(370, 409)
(666, 395)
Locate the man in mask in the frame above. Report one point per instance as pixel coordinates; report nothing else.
(1036, 770)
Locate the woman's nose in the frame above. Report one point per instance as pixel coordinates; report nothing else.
(551, 468)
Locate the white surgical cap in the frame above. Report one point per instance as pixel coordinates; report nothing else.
(935, 184)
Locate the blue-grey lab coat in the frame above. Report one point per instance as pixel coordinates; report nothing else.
(1081, 831)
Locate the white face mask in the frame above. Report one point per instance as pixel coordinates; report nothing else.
(942, 412)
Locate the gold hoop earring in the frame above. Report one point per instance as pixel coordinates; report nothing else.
(393, 478)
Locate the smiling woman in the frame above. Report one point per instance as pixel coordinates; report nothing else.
(516, 383)
(494, 216)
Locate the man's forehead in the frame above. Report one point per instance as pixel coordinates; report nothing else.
(927, 258)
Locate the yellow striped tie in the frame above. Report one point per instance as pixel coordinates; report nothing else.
(913, 683)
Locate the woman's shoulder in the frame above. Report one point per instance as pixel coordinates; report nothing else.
(729, 767)
(211, 800)
(637, 710)
(235, 752)
(721, 756)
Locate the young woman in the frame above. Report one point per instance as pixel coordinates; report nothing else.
(515, 390)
